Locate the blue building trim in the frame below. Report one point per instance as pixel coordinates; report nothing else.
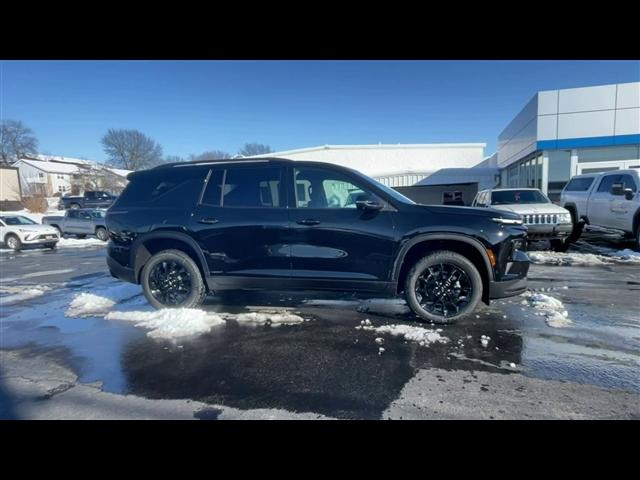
(588, 142)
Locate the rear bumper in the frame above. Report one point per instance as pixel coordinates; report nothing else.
(121, 272)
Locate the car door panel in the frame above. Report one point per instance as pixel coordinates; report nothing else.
(243, 240)
(337, 242)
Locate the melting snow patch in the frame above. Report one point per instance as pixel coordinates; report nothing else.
(484, 340)
(11, 295)
(585, 259)
(422, 336)
(89, 304)
(171, 323)
(80, 243)
(551, 308)
(266, 318)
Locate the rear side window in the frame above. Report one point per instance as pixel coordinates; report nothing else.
(249, 187)
(174, 187)
(579, 184)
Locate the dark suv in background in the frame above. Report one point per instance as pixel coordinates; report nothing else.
(184, 229)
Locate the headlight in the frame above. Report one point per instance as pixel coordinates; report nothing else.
(508, 221)
(564, 218)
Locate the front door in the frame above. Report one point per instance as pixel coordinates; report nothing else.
(601, 202)
(332, 241)
(241, 223)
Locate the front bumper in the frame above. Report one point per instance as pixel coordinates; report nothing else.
(546, 232)
(40, 239)
(514, 281)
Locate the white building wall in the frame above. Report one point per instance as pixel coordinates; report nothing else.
(30, 177)
(413, 160)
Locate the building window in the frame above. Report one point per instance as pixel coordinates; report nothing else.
(40, 175)
(60, 176)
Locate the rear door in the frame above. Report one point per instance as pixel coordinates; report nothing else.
(72, 221)
(241, 223)
(331, 239)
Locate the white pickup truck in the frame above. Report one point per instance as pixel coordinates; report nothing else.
(604, 201)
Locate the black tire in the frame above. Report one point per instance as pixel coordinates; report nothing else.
(454, 263)
(13, 242)
(51, 246)
(81, 235)
(578, 227)
(558, 245)
(159, 268)
(102, 234)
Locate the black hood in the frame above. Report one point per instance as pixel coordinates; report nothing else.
(473, 211)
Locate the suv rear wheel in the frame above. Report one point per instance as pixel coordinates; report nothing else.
(443, 287)
(171, 279)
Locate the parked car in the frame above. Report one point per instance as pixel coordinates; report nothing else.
(543, 219)
(90, 199)
(607, 201)
(80, 222)
(17, 231)
(182, 230)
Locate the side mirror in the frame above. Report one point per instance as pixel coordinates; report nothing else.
(617, 189)
(368, 205)
(628, 194)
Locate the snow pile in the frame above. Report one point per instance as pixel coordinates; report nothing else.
(171, 323)
(266, 318)
(11, 295)
(420, 335)
(382, 306)
(80, 243)
(551, 308)
(585, 259)
(89, 304)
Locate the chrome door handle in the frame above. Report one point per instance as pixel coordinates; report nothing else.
(208, 221)
(308, 221)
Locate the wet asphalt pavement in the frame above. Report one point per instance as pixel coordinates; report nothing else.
(328, 367)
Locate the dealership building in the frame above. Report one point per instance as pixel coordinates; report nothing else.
(562, 133)
(558, 134)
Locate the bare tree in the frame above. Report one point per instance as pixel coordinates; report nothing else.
(211, 155)
(173, 159)
(250, 149)
(16, 141)
(131, 149)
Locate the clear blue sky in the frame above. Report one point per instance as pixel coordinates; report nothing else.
(190, 107)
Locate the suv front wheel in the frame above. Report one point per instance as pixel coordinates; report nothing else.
(171, 279)
(443, 287)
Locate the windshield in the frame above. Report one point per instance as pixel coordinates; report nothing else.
(17, 220)
(508, 197)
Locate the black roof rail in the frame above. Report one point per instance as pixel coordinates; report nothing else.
(222, 160)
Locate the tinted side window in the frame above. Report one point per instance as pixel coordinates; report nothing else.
(628, 182)
(72, 214)
(172, 187)
(321, 188)
(252, 187)
(606, 182)
(579, 184)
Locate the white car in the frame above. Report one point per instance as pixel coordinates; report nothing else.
(544, 219)
(607, 201)
(17, 231)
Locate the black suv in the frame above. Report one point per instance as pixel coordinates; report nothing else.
(184, 229)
